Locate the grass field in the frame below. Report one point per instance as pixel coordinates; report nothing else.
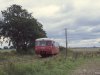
(91, 49)
(6, 50)
(14, 64)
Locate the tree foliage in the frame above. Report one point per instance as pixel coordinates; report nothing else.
(20, 27)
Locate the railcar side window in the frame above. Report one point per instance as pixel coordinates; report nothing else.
(42, 43)
(48, 43)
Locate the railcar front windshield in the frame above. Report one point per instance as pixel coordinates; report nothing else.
(43, 43)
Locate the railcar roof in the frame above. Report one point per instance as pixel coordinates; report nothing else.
(44, 39)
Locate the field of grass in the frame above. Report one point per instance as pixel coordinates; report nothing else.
(14, 64)
(6, 50)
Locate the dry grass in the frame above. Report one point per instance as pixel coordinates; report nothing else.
(14, 64)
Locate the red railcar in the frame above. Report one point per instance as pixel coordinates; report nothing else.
(46, 46)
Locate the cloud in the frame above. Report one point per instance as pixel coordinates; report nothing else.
(80, 17)
(45, 10)
(86, 43)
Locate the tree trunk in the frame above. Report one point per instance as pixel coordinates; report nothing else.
(18, 49)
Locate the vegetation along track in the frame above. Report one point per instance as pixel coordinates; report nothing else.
(91, 67)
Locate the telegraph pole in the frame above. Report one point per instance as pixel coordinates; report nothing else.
(66, 40)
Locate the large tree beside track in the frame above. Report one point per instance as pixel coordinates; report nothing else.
(20, 27)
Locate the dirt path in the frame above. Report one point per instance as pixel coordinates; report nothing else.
(91, 67)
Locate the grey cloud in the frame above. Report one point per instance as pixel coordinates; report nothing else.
(96, 29)
(78, 24)
(78, 34)
(78, 21)
(87, 21)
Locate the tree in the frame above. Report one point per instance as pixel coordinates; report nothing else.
(20, 27)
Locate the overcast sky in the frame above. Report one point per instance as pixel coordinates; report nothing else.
(80, 17)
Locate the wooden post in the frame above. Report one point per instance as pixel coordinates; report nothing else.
(66, 40)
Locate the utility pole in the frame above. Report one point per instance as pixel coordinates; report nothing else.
(66, 40)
